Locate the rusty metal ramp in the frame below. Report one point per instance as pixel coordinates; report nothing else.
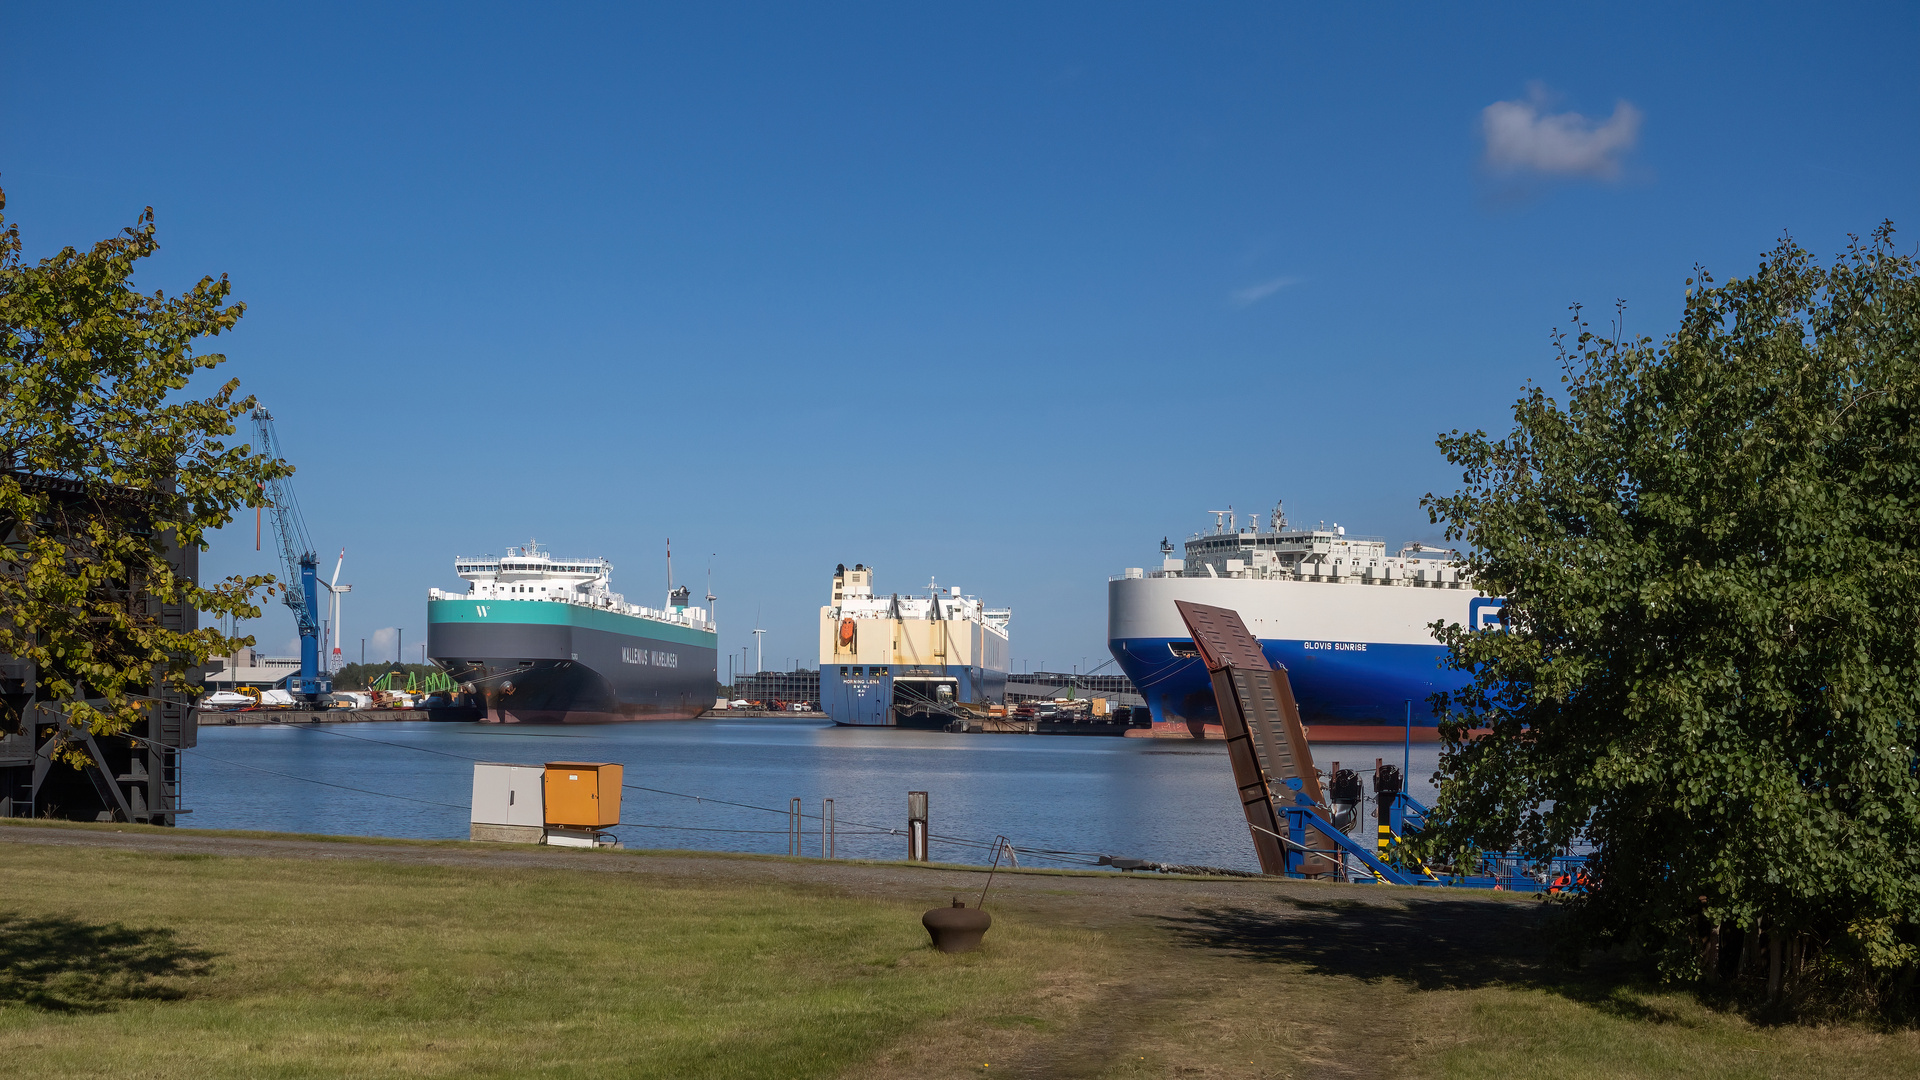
(1265, 740)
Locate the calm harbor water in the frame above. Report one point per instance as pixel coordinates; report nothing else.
(1166, 800)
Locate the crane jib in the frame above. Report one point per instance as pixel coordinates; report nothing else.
(300, 586)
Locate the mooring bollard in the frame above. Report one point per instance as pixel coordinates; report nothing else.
(793, 827)
(958, 928)
(827, 831)
(917, 826)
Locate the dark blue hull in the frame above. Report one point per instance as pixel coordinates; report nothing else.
(1347, 691)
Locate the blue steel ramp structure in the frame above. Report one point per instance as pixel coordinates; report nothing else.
(1296, 832)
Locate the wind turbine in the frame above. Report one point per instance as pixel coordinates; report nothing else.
(711, 621)
(336, 589)
(756, 641)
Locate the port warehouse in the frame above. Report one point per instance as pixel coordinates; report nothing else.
(131, 779)
(1054, 685)
(799, 686)
(247, 668)
(803, 685)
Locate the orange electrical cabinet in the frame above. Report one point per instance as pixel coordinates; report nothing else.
(582, 794)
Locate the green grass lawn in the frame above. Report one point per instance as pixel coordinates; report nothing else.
(269, 968)
(1648, 1033)
(156, 964)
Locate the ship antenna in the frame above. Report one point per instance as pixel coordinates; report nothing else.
(669, 564)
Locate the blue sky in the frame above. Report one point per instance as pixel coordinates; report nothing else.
(1001, 294)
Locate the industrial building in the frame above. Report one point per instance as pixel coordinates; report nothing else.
(1052, 685)
(801, 685)
(247, 668)
(131, 779)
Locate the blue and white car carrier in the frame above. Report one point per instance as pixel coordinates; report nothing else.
(1351, 624)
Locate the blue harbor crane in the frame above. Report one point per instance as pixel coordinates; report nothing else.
(301, 564)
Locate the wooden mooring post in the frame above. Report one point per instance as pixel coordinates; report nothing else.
(917, 826)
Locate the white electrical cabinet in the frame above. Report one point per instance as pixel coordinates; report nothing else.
(509, 802)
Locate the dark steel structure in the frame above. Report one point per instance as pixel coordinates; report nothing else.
(131, 779)
(1265, 741)
(784, 687)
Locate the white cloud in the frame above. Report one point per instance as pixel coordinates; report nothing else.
(1522, 137)
(380, 645)
(1253, 294)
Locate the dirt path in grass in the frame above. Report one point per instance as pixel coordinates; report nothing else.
(1191, 977)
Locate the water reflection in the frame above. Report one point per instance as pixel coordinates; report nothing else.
(1170, 801)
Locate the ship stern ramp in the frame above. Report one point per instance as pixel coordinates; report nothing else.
(1266, 743)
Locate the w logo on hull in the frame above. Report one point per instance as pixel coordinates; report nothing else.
(480, 610)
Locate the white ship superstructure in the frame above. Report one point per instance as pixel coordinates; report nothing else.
(1323, 554)
(529, 573)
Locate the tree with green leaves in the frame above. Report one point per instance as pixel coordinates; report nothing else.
(1709, 671)
(107, 457)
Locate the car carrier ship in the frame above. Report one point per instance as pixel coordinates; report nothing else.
(541, 640)
(1351, 624)
(908, 661)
